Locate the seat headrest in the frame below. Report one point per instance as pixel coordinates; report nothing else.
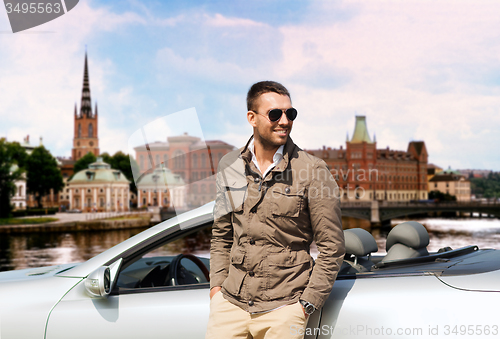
(409, 233)
(359, 242)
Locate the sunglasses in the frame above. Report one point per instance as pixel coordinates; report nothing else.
(276, 113)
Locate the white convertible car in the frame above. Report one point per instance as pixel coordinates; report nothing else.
(152, 286)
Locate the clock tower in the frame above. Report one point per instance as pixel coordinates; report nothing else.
(85, 138)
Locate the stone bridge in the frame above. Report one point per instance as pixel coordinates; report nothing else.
(383, 212)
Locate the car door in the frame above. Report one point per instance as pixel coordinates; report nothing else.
(175, 312)
(145, 302)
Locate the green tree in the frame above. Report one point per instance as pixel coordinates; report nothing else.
(43, 174)
(440, 196)
(18, 153)
(488, 187)
(84, 162)
(8, 175)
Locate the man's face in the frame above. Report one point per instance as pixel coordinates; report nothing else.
(271, 134)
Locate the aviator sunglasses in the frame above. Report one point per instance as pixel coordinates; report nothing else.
(276, 113)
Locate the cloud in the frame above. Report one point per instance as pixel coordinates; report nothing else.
(44, 75)
(418, 70)
(218, 20)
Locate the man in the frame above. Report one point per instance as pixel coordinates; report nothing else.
(273, 200)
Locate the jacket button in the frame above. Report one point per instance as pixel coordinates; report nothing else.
(250, 303)
(287, 190)
(256, 180)
(251, 273)
(252, 242)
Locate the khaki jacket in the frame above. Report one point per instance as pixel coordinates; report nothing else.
(264, 227)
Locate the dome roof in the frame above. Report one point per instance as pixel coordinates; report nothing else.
(99, 171)
(160, 177)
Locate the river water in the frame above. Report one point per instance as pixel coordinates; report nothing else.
(18, 251)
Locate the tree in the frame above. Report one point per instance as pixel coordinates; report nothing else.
(18, 153)
(84, 162)
(440, 196)
(43, 174)
(8, 176)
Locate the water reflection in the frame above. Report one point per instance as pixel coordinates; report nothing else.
(20, 251)
(43, 249)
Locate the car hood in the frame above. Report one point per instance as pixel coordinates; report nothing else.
(33, 273)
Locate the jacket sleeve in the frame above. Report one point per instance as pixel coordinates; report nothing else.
(326, 223)
(222, 235)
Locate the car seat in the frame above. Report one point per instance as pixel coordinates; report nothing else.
(406, 240)
(359, 245)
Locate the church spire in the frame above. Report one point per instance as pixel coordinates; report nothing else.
(86, 105)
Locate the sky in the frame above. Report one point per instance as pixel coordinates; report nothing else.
(418, 70)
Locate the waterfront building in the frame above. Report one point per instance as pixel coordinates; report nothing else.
(451, 182)
(194, 160)
(99, 188)
(18, 200)
(432, 170)
(161, 188)
(365, 173)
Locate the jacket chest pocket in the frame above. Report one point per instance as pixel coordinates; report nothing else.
(286, 201)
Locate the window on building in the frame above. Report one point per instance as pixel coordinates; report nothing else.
(91, 130)
(179, 159)
(79, 130)
(195, 160)
(203, 160)
(203, 188)
(165, 159)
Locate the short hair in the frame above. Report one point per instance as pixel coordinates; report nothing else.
(262, 87)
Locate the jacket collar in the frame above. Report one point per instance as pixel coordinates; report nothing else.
(280, 167)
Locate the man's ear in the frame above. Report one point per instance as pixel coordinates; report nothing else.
(251, 116)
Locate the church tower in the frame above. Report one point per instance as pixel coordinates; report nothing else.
(85, 138)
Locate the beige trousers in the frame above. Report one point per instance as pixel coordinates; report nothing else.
(228, 321)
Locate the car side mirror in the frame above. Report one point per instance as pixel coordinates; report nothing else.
(98, 283)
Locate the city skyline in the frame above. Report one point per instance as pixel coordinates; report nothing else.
(418, 71)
